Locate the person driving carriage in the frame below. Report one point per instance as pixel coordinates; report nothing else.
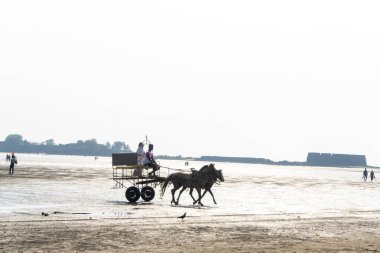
(150, 162)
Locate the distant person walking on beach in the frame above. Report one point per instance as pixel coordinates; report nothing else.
(12, 165)
(150, 162)
(372, 175)
(365, 175)
(7, 158)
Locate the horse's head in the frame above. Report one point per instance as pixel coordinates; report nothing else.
(220, 175)
(217, 174)
(211, 172)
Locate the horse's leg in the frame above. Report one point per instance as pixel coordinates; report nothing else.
(209, 190)
(176, 187)
(195, 201)
(199, 196)
(173, 191)
(179, 195)
(204, 193)
(191, 194)
(198, 189)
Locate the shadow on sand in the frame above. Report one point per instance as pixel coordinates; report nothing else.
(126, 203)
(194, 206)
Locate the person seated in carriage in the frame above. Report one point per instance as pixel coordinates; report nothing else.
(150, 162)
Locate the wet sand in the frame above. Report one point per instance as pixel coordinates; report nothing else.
(195, 234)
(260, 209)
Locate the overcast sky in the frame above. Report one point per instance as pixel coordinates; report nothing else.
(273, 79)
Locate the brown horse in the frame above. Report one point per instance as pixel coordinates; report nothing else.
(207, 175)
(208, 185)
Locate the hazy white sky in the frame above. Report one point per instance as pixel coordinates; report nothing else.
(273, 79)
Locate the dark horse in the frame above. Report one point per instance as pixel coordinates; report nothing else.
(208, 185)
(206, 177)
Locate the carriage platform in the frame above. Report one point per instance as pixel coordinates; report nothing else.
(138, 179)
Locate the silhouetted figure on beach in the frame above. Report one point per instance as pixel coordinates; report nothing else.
(12, 165)
(372, 175)
(150, 162)
(365, 175)
(7, 158)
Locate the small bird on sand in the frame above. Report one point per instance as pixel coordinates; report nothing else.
(44, 214)
(182, 216)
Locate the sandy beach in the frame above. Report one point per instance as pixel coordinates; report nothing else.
(273, 104)
(194, 234)
(260, 209)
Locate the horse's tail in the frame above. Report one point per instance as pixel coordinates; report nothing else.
(167, 180)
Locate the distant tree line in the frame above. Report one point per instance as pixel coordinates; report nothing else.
(16, 143)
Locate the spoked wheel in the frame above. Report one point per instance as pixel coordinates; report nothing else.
(147, 193)
(132, 194)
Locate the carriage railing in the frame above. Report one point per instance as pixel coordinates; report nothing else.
(123, 174)
(126, 170)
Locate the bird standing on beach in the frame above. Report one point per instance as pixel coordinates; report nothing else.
(182, 216)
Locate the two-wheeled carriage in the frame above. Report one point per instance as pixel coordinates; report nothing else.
(136, 178)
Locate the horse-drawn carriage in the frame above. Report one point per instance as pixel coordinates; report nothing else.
(136, 178)
(141, 183)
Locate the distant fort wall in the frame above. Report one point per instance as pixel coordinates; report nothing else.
(336, 160)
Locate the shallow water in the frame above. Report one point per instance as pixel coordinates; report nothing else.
(80, 187)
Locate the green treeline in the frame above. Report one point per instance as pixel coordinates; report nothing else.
(16, 143)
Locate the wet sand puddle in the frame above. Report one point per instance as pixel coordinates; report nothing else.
(79, 186)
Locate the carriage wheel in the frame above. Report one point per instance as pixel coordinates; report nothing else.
(147, 193)
(132, 194)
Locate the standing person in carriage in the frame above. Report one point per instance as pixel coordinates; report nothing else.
(140, 154)
(150, 162)
(140, 160)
